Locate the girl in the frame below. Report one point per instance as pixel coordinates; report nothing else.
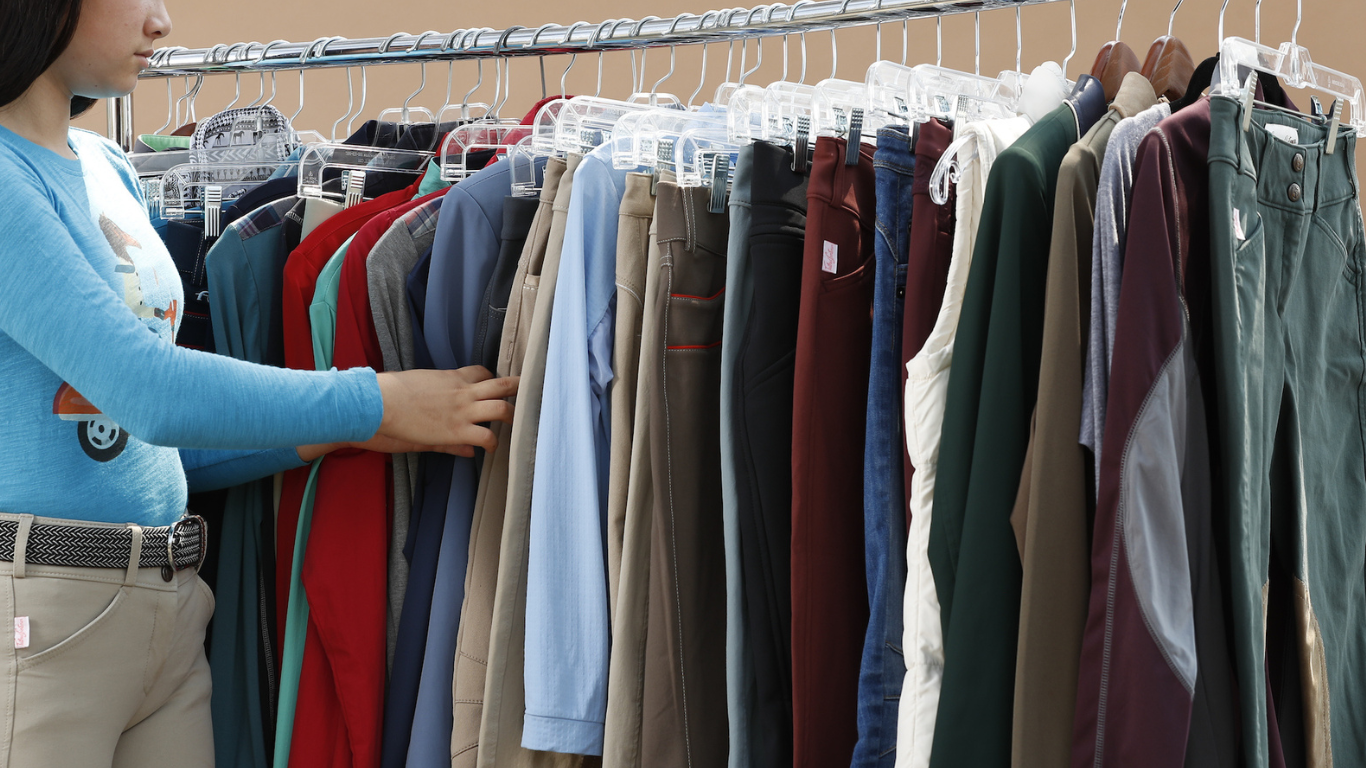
(105, 423)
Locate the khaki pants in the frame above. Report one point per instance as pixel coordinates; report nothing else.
(633, 247)
(486, 533)
(114, 673)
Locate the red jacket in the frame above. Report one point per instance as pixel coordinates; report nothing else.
(339, 718)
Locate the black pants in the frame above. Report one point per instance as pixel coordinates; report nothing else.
(763, 443)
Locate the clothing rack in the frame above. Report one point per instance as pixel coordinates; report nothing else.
(725, 25)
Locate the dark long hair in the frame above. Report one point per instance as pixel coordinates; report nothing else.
(33, 33)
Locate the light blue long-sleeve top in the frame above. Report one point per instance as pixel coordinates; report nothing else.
(95, 398)
(568, 629)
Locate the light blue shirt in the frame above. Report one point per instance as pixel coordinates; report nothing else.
(568, 628)
(95, 398)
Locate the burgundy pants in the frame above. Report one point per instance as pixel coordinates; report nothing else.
(927, 268)
(830, 398)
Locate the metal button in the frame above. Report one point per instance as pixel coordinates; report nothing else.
(1298, 162)
(167, 573)
(1295, 192)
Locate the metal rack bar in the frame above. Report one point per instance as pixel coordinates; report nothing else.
(618, 34)
(550, 39)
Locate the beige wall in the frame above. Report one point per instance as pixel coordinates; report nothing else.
(1332, 31)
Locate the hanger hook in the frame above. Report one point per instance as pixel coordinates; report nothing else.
(540, 60)
(423, 85)
(364, 96)
(637, 86)
(303, 64)
(905, 39)
(572, 58)
(673, 55)
(1171, 22)
(939, 40)
(170, 105)
(1119, 26)
(834, 44)
(759, 46)
(977, 26)
(465, 41)
(1072, 7)
(702, 24)
(450, 69)
(350, 102)
(1222, 10)
(1019, 41)
(593, 43)
(507, 65)
(257, 63)
(237, 75)
(1299, 17)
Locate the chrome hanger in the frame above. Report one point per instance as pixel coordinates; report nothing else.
(673, 61)
(303, 66)
(273, 84)
(639, 85)
(404, 113)
(564, 94)
(464, 41)
(237, 76)
(541, 59)
(705, 47)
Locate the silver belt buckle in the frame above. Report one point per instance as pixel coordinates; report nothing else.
(203, 541)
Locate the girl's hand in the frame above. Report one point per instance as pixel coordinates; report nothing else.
(441, 411)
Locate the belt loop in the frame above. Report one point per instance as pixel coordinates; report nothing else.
(21, 545)
(134, 555)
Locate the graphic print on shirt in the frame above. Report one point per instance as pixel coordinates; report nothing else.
(100, 438)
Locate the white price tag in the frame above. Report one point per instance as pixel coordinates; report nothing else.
(830, 258)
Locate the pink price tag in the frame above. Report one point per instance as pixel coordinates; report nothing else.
(830, 258)
(21, 632)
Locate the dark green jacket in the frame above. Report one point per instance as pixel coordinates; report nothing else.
(992, 389)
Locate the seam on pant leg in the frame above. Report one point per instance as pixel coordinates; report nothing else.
(673, 527)
(11, 681)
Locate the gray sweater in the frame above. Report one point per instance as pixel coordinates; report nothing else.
(1107, 266)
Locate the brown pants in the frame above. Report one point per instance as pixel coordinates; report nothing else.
(685, 682)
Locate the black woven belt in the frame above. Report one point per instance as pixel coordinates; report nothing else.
(181, 545)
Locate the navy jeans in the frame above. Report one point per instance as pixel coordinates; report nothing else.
(883, 668)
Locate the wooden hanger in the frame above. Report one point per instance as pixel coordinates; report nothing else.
(1169, 65)
(1115, 60)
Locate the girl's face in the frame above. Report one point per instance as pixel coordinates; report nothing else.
(112, 44)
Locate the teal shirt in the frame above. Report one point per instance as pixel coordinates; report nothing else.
(95, 398)
(322, 315)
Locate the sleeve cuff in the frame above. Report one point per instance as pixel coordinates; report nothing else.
(558, 734)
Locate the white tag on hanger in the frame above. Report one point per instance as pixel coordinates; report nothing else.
(21, 635)
(1238, 226)
(830, 258)
(1287, 133)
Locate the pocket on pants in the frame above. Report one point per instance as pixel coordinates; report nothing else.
(62, 614)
